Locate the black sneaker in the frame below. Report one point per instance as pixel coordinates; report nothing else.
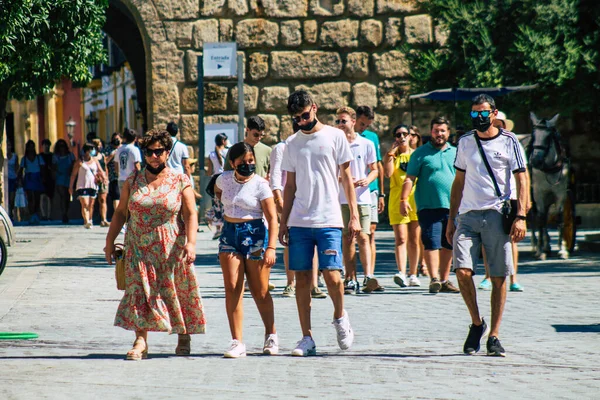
(435, 285)
(476, 333)
(494, 348)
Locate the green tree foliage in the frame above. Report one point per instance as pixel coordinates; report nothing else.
(42, 41)
(554, 43)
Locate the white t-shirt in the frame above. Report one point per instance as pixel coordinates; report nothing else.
(505, 156)
(242, 200)
(277, 176)
(179, 152)
(127, 155)
(315, 159)
(216, 164)
(513, 181)
(363, 151)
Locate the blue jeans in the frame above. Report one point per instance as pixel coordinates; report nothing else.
(248, 238)
(302, 242)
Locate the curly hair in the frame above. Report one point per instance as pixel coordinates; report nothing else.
(156, 135)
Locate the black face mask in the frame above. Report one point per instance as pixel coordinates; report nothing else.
(481, 124)
(116, 143)
(245, 169)
(308, 127)
(155, 171)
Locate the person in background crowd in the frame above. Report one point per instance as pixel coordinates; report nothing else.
(127, 157)
(102, 184)
(216, 166)
(13, 169)
(364, 118)
(161, 288)
(433, 165)
(47, 180)
(113, 175)
(63, 161)
(363, 168)
(88, 173)
(501, 122)
(255, 131)
(417, 141)
(406, 228)
(179, 155)
(31, 171)
(247, 246)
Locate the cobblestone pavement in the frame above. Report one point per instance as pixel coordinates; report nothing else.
(408, 342)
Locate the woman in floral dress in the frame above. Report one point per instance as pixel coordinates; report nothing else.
(161, 291)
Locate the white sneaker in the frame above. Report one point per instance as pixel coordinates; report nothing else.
(305, 347)
(400, 280)
(236, 349)
(345, 334)
(87, 226)
(271, 346)
(414, 281)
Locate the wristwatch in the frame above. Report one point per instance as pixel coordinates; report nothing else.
(382, 196)
(521, 217)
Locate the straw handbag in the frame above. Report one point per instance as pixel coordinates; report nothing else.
(120, 266)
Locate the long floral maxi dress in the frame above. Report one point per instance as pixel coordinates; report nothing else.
(161, 290)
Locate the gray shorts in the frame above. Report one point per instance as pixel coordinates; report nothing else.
(477, 228)
(374, 204)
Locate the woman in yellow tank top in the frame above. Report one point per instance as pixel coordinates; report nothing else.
(406, 228)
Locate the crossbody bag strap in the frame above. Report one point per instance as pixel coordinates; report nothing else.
(487, 165)
(173, 148)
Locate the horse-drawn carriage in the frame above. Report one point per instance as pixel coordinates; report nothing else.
(552, 180)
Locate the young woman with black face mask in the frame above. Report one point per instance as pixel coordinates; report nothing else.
(246, 246)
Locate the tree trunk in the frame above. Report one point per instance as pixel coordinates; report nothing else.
(3, 102)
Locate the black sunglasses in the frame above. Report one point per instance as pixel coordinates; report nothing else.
(156, 152)
(305, 116)
(258, 135)
(401, 134)
(341, 121)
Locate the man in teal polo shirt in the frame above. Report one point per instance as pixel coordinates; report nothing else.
(432, 167)
(364, 119)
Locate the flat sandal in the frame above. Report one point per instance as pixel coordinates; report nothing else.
(136, 355)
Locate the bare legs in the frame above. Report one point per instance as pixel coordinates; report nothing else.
(87, 209)
(407, 244)
(234, 267)
(349, 253)
(102, 206)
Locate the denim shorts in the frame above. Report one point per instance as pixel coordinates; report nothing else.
(433, 222)
(302, 242)
(248, 238)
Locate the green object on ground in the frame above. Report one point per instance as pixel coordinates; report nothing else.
(18, 335)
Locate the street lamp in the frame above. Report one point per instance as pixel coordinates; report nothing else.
(92, 123)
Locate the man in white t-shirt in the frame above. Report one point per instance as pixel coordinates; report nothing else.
(312, 216)
(127, 157)
(179, 155)
(485, 160)
(364, 171)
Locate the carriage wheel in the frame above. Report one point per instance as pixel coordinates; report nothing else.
(569, 222)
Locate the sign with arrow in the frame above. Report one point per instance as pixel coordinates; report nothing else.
(219, 59)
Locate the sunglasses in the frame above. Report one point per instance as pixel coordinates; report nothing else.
(305, 116)
(341, 121)
(401, 134)
(258, 135)
(484, 113)
(156, 152)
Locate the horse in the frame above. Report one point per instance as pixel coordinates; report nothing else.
(549, 181)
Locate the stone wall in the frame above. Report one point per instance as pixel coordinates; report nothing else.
(345, 52)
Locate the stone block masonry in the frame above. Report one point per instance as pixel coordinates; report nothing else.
(345, 52)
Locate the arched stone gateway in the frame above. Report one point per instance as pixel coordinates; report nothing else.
(344, 51)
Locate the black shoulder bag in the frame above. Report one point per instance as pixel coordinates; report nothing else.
(509, 207)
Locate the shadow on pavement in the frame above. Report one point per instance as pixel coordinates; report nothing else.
(591, 328)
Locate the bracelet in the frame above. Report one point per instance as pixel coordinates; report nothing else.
(271, 247)
(403, 199)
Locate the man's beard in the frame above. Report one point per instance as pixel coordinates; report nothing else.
(435, 142)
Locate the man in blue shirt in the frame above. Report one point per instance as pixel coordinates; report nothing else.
(364, 119)
(433, 165)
